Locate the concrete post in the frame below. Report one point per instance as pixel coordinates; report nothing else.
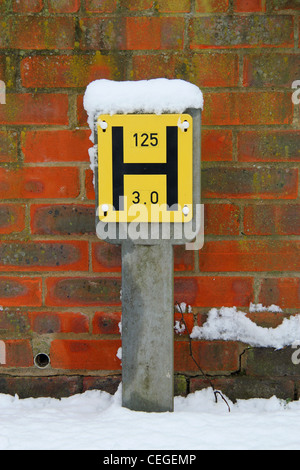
(147, 312)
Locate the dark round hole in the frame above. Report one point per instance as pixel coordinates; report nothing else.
(42, 360)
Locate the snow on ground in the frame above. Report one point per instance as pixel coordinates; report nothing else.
(96, 421)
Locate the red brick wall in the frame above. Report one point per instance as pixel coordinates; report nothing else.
(60, 285)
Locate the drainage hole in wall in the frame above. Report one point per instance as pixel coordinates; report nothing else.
(42, 360)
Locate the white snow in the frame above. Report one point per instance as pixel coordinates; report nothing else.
(230, 324)
(96, 420)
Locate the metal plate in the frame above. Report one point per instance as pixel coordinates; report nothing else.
(145, 168)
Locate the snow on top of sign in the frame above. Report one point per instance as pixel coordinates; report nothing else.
(145, 96)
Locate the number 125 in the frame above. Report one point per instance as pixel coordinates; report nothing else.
(145, 140)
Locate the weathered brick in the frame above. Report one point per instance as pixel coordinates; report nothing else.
(248, 6)
(44, 256)
(27, 6)
(284, 292)
(221, 219)
(269, 362)
(212, 6)
(12, 218)
(265, 219)
(174, 6)
(268, 146)
(107, 384)
(154, 33)
(250, 183)
(106, 323)
(195, 68)
(247, 108)
(64, 6)
(69, 71)
(213, 356)
(56, 146)
(250, 255)
(45, 323)
(37, 109)
(8, 146)
(100, 6)
(36, 387)
(89, 186)
(278, 5)
(216, 145)
(269, 70)
(39, 182)
(103, 33)
(61, 219)
(85, 354)
(20, 291)
(253, 31)
(18, 353)
(83, 291)
(214, 291)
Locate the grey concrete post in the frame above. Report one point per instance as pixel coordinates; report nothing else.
(147, 311)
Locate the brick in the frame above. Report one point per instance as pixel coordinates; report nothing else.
(61, 219)
(213, 6)
(89, 186)
(269, 362)
(267, 319)
(8, 146)
(221, 219)
(282, 5)
(2, 68)
(188, 320)
(272, 219)
(37, 32)
(20, 291)
(213, 356)
(64, 6)
(284, 292)
(214, 291)
(269, 70)
(59, 71)
(248, 6)
(250, 183)
(109, 384)
(27, 6)
(12, 218)
(173, 6)
(44, 256)
(195, 68)
(253, 31)
(56, 146)
(103, 33)
(154, 33)
(100, 6)
(250, 255)
(38, 109)
(36, 387)
(85, 354)
(45, 323)
(39, 182)
(269, 146)
(106, 323)
(18, 353)
(250, 108)
(183, 259)
(83, 291)
(216, 145)
(81, 112)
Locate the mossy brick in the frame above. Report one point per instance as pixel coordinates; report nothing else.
(250, 255)
(20, 291)
(269, 362)
(212, 6)
(249, 6)
(282, 5)
(14, 322)
(8, 146)
(27, 6)
(63, 6)
(44, 256)
(214, 291)
(269, 70)
(247, 108)
(269, 146)
(180, 385)
(241, 31)
(250, 183)
(39, 182)
(85, 354)
(70, 71)
(272, 219)
(173, 6)
(101, 6)
(98, 33)
(283, 291)
(62, 219)
(83, 291)
(12, 218)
